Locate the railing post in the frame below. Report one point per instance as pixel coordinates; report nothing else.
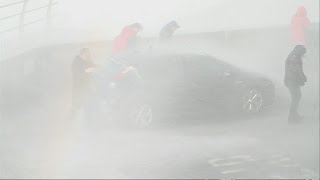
(49, 12)
(22, 16)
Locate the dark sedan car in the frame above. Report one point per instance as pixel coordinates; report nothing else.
(201, 83)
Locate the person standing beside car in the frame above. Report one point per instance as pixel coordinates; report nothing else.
(295, 78)
(82, 74)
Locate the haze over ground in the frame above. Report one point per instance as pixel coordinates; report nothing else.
(38, 139)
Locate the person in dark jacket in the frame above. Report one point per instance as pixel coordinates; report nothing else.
(294, 79)
(168, 30)
(82, 70)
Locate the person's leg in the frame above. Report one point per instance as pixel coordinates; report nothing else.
(295, 93)
(76, 102)
(90, 109)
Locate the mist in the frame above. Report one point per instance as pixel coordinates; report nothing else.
(207, 101)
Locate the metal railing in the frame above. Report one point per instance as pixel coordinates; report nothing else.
(24, 11)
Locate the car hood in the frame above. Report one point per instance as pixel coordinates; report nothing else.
(252, 77)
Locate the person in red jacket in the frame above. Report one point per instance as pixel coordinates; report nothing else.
(127, 38)
(299, 25)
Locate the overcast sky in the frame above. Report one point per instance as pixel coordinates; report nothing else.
(112, 15)
(106, 18)
(198, 15)
(98, 20)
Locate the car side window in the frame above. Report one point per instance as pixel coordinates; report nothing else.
(166, 68)
(203, 66)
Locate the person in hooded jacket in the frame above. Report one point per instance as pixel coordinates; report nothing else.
(126, 40)
(168, 30)
(295, 78)
(299, 24)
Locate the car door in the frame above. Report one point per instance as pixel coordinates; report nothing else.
(163, 76)
(208, 79)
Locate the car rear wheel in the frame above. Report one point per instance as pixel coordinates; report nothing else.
(142, 116)
(252, 101)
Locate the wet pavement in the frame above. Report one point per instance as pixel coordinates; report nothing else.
(264, 146)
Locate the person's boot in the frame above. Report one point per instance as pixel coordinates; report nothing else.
(300, 117)
(295, 119)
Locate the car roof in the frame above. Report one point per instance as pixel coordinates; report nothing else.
(166, 55)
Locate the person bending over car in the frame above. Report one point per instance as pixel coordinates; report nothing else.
(126, 40)
(168, 30)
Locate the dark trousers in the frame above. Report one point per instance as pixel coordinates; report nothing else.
(79, 97)
(295, 93)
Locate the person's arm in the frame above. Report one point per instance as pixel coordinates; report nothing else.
(132, 42)
(306, 23)
(91, 69)
(165, 34)
(296, 67)
(76, 67)
(79, 68)
(303, 75)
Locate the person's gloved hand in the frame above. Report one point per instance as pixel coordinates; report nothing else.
(305, 79)
(90, 70)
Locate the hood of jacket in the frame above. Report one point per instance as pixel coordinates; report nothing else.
(301, 12)
(299, 50)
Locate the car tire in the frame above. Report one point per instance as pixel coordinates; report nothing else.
(141, 116)
(252, 101)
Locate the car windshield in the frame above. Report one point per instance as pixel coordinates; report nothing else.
(209, 60)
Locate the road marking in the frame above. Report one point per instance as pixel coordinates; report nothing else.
(309, 172)
(284, 159)
(241, 157)
(215, 160)
(276, 177)
(276, 156)
(233, 171)
(290, 165)
(226, 164)
(279, 161)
